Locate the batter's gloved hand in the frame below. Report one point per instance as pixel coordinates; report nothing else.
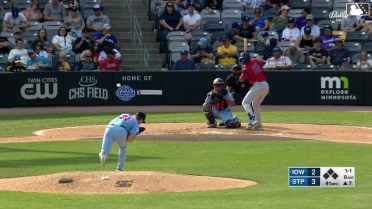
(141, 129)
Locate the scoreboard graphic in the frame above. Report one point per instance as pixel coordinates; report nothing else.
(321, 177)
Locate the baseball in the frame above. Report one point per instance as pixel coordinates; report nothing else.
(118, 85)
(105, 177)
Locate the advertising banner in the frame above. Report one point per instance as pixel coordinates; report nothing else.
(7, 92)
(39, 89)
(367, 88)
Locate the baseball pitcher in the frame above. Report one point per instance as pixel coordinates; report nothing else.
(122, 129)
(217, 105)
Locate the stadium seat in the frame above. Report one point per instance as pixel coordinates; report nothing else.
(332, 23)
(320, 13)
(325, 67)
(353, 46)
(302, 67)
(35, 26)
(197, 34)
(283, 45)
(367, 47)
(321, 4)
(299, 4)
(240, 46)
(294, 13)
(231, 4)
(358, 36)
(212, 26)
(272, 34)
(271, 13)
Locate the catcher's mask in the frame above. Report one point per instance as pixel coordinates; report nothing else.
(244, 57)
(218, 82)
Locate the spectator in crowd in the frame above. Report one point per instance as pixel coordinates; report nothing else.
(317, 55)
(294, 54)
(106, 35)
(95, 52)
(74, 23)
(214, 4)
(192, 20)
(339, 55)
(82, 43)
(235, 87)
(54, 11)
(350, 23)
(301, 21)
(68, 4)
(37, 63)
(278, 61)
(62, 64)
(62, 42)
(306, 41)
(259, 21)
(315, 30)
(267, 52)
(328, 38)
(185, 3)
(86, 62)
(291, 32)
(37, 49)
(43, 38)
(247, 31)
(14, 20)
(33, 12)
(106, 48)
(365, 23)
(95, 22)
(203, 53)
(16, 65)
(161, 6)
(275, 4)
(17, 34)
(18, 50)
(233, 34)
(251, 4)
(170, 20)
(263, 42)
(279, 22)
(227, 53)
(364, 64)
(110, 63)
(184, 63)
(4, 45)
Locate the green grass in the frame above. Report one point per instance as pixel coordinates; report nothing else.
(266, 162)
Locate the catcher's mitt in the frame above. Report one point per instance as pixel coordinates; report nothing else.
(216, 97)
(141, 129)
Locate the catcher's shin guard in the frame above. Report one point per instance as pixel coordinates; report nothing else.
(209, 114)
(233, 123)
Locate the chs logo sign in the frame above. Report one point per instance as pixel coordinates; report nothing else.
(334, 82)
(335, 88)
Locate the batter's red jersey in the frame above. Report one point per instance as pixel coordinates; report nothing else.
(253, 72)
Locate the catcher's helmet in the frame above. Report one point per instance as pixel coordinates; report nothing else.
(245, 56)
(218, 81)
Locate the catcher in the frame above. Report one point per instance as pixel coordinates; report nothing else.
(218, 104)
(122, 129)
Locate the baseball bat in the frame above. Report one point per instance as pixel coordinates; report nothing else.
(245, 44)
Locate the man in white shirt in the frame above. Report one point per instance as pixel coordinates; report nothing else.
(20, 51)
(192, 20)
(15, 20)
(315, 30)
(278, 62)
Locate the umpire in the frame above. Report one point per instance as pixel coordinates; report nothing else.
(237, 89)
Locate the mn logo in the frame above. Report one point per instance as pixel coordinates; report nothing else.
(357, 8)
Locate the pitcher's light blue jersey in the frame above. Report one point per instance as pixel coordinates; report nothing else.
(126, 121)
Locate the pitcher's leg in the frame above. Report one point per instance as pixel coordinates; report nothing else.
(121, 158)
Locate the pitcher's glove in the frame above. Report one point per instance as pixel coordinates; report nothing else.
(216, 97)
(141, 129)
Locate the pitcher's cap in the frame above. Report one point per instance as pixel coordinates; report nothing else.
(141, 115)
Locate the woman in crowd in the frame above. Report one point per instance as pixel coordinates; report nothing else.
(74, 23)
(291, 32)
(38, 50)
(62, 42)
(43, 38)
(33, 12)
(279, 22)
(170, 20)
(364, 64)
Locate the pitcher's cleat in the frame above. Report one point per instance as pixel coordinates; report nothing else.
(102, 157)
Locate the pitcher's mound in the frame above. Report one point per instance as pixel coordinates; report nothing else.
(134, 182)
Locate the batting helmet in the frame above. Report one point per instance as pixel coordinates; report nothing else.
(218, 81)
(245, 56)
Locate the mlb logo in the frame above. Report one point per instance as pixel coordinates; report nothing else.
(357, 9)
